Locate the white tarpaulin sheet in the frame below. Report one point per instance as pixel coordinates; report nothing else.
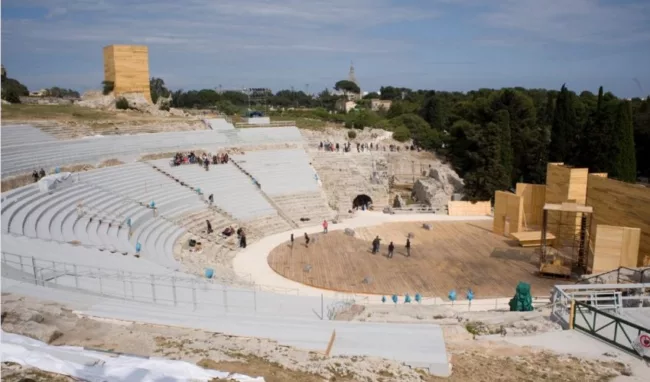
(55, 181)
(102, 367)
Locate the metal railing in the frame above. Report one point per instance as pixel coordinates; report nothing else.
(270, 124)
(172, 289)
(608, 296)
(640, 276)
(607, 327)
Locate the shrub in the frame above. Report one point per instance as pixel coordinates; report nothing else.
(122, 104)
(11, 96)
(348, 124)
(402, 134)
(352, 134)
(164, 107)
(108, 87)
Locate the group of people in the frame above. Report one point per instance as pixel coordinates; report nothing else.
(307, 238)
(361, 147)
(229, 231)
(204, 160)
(391, 247)
(38, 175)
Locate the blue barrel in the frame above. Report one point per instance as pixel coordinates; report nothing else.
(209, 272)
(138, 247)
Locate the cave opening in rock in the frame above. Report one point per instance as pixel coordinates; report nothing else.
(362, 202)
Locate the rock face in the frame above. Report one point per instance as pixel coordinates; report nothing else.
(96, 100)
(399, 202)
(46, 101)
(30, 323)
(438, 188)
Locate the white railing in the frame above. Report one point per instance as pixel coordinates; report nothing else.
(600, 296)
(270, 124)
(172, 289)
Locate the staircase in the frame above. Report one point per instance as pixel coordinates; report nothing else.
(282, 214)
(207, 203)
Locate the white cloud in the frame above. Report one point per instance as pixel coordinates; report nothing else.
(278, 25)
(572, 21)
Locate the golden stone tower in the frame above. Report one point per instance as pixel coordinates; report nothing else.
(127, 66)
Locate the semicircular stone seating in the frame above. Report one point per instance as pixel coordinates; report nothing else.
(94, 210)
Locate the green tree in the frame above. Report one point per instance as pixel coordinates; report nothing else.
(625, 160)
(12, 89)
(506, 151)
(641, 114)
(487, 175)
(563, 128)
(433, 111)
(421, 132)
(598, 143)
(347, 86)
(157, 89)
(371, 95)
(401, 134)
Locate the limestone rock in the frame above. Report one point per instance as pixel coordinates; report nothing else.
(96, 100)
(32, 329)
(349, 232)
(137, 101)
(438, 188)
(176, 112)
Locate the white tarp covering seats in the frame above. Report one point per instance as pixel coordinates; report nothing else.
(55, 181)
(88, 365)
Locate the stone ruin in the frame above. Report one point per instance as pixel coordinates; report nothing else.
(438, 188)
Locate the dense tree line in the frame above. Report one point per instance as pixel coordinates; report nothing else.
(61, 93)
(493, 138)
(12, 89)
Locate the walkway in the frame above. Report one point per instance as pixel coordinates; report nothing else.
(253, 260)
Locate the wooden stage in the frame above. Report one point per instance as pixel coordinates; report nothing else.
(453, 255)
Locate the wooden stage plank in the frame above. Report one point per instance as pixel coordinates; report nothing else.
(453, 255)
(532, 238)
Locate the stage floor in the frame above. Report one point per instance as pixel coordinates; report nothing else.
(452, 255)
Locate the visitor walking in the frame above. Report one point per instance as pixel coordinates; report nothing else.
(306, 240)
(391, 249)
(375, 244)
(242, 240)
(209, 226)
(291, 241)
(408, 247)
(211, 199)
(324, 226)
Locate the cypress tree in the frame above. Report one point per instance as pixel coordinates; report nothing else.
(624, 166)
(433, 111)
(598, 143)
(506, 151)
(488, 175)
(563, 129)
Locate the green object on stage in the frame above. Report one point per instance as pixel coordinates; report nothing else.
(523, 301)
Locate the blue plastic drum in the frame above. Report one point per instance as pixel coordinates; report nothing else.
(209, 272)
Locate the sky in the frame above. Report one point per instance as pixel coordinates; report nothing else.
(456, 45)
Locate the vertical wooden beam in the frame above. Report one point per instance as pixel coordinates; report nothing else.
(330, 344)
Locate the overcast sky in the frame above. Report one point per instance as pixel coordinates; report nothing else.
(438, 44)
